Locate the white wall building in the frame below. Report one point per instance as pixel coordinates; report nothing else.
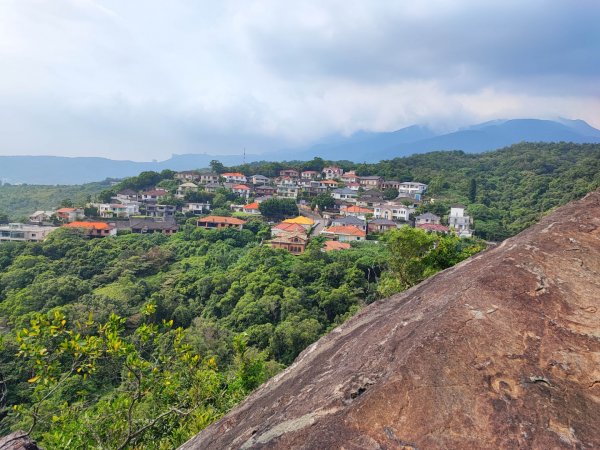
(20, 232)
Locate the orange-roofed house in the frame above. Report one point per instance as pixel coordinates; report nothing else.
(356, 211)
(234, 177)
(346, 233)
(93, 229)
(335, 245)
(215, 222)
(241, 189)
(70, 214)
(252, 208)
(284, 227)
(328, 184)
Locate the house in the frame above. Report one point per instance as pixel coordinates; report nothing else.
(216, 222)
(39, 217)
(344, 194)
(289, 173)
(390, 184)
(206, 178)
(118, 210)
(309, 175)
(127, 195)
(284, 227)
(187, 175)
(70, 214)
(212, 187)
(328, 184)
(293, 242)
(381, 225)
(361, 224)
(196, 209)
(236, 208)
(265, 190)
(259, 179)
(356, 211)
(20, 232)
(427, 218)
(335, 245)
(153, 195)
(242, 190)
(234, 177)
(306, 222)
(331, 172)
(145, 225)
(315, 188)
(263, 198)
(370, 198)
(370, 182)
(392, 211)
(184, 188)
(345, 233)
(93, 229)
(164, 211)
(354, 186)
(288, 190)
(252, 208)
(459, 222)
(350, 177)
(412, 187)
(433, 227)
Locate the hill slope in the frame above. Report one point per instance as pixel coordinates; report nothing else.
(500, 351)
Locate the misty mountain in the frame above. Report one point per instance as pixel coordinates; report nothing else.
(359, 147)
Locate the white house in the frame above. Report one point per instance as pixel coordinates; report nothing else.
(411, 187)
(196, 208)
(234, 177)
(344, 194)
(392, 211)
(259, 179)
(459, 222)
(24, 233)
(110, 210)
(332, 172)
(184, 188)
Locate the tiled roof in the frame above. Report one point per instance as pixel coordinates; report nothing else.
(433, 227)
(300, 220)
(222, 219)
(289, 227)
(93, 225)
(65, 210)
(233, 174)
(336, 245)
(254, 205)
(359, 209)
(241, 186)
(347, 230)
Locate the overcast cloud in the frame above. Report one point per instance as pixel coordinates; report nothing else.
(144, 79)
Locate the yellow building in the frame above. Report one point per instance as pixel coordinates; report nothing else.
(306, 222)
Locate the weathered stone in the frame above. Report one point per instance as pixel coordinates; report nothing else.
(500, 351)
(17, 441)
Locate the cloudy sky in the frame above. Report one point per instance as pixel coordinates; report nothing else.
(142, 79)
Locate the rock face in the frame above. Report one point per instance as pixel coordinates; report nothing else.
(501, 351)
(17, 441)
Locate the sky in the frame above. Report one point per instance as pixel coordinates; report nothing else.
(143, 79)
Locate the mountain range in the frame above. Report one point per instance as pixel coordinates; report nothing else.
(359, 147)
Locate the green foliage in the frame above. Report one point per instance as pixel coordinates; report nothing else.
(322, 201)
(278, 208)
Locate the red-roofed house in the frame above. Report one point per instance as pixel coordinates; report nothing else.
(332, 172)
(345, 233)
(70, 214)
(221, 222)
(309, 174)
(252, 208)
(285, 227)
(356, 211)
(93, 229)
(349, 177)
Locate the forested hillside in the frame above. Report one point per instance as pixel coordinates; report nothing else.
(140, 341)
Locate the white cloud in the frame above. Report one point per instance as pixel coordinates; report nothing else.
(141, 80)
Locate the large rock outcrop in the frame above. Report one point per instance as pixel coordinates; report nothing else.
(17, 441)
(501, 351)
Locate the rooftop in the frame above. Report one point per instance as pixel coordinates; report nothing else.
(300, 220)
(222, 219)
(347, 230)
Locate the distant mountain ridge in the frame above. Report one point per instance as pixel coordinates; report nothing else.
(362, 146)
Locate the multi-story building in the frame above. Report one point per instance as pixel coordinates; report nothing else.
(118, 210)
(392, 211)
(459, 222)
(234, 177)
(20, 232)
(370, 182)
(332, 172)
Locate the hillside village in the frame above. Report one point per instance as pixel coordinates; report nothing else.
(341, 207)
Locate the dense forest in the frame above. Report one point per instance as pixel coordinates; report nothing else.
(140, 341)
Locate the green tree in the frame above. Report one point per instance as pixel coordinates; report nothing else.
(278, 208)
